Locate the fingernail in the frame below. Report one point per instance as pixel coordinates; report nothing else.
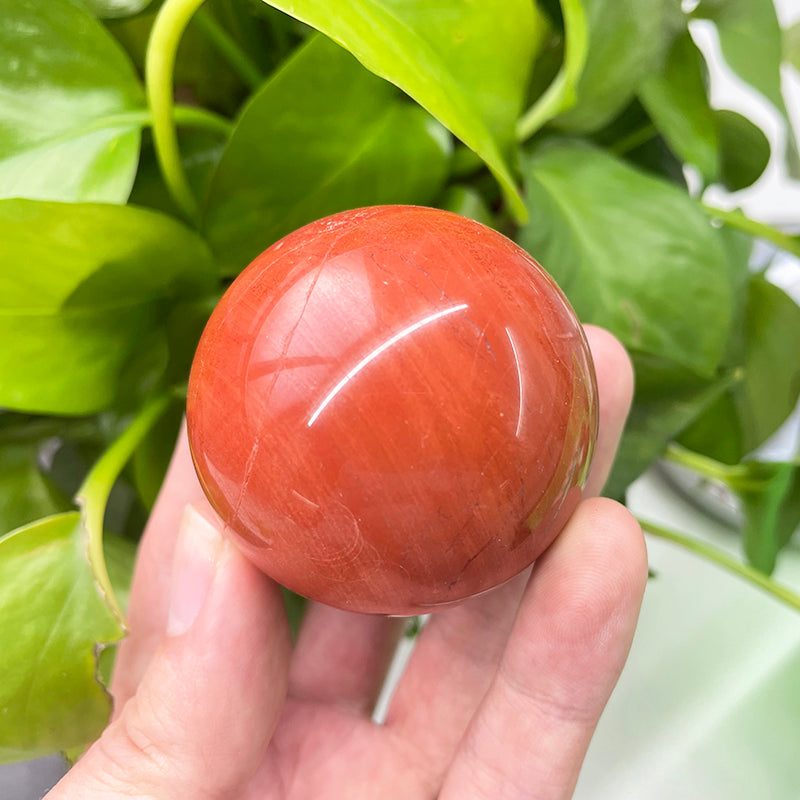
(194, 565)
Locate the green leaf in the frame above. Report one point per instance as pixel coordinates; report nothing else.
(185, 325)
(770, 497)
(81, 287)
(466, 63)
(677, 101)
(666, 400)
(627, 40)
(468, 202)
(744, 150)
(633, 136)
(632, 252)
(626, 131)
(112, 9)
(550, 60)
(738, 247)
(52, 618)
(561, 93)
(656, 157)
(768, 361)
(93, 495)
(70, 106)
(266, 34)
(791, 45)
(725, 146)
(321, 136)
(25, 491)
(750, 39)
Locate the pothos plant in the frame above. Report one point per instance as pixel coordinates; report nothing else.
(149, 151)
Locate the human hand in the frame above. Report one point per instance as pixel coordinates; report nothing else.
(499, 700)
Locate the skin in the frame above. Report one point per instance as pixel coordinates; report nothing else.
(500, 698)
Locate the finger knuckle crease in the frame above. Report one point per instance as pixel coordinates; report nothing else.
(553, 703)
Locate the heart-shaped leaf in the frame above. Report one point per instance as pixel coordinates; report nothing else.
(466, 63)
(70, 105)
(725, 146)
(751, 40)
(768, 361)
(322, 135)
(83, 288)
(744, 150)
(633, 253)
(52, 617)
(677, 100)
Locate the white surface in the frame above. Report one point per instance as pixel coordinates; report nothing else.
(708, 707)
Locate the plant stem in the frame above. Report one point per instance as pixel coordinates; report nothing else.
(229, 49)
(162, 46)
(196, 117)
(560, 94)
(634, 139)
(705, 466)
(184, 116)
(736, 219)
(727, 562)
(92, 496)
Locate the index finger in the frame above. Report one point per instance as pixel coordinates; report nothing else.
(147, 610)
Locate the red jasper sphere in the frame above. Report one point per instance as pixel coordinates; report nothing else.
(393, 409)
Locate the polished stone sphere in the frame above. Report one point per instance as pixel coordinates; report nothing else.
(393, 409)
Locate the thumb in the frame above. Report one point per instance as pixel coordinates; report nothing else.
(203, 714)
